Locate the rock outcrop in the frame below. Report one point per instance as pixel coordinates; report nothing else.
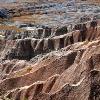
(53, 53)
(25, 49)
(68, 68)
(70, 73)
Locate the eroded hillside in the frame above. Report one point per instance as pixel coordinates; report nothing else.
(40, 62)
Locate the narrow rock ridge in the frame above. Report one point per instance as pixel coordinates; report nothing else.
(71, 73)
(25, 49)
(68, 68)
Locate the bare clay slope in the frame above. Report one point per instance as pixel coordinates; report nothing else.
(74, 79)
(72, 72)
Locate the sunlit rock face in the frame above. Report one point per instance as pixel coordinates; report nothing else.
(54, 68)
(49, 61)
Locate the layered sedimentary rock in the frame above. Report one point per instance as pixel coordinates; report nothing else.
(30, 47)
(71, 73)
(49, 50)
(68, 68)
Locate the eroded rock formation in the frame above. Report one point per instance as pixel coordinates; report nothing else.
(67, 69)
(25, 49)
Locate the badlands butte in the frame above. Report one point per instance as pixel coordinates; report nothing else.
(49, 50)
